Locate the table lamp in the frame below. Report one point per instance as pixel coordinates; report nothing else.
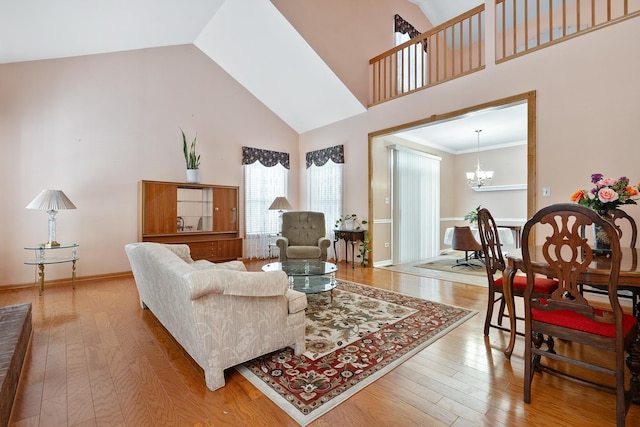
(51, 201)
(280, 204)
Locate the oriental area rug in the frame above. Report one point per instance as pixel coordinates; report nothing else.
(350, 342)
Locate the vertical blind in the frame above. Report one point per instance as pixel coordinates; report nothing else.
(416, 205)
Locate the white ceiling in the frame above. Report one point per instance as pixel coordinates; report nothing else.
(501, 127)
(278, 71)
(288, 76)
(440, 11)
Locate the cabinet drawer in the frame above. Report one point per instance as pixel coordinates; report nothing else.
(201, 250)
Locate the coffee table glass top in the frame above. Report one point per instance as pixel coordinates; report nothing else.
(302, 267)
(310, 277)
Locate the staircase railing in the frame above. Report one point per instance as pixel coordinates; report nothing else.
(523, 26)
(450, 50)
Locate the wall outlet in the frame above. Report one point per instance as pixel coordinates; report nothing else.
(386, 244)
(546, 191)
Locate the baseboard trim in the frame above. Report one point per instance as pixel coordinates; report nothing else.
(67, 281)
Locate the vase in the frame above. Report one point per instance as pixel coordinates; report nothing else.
(600, 236)
(193, 176)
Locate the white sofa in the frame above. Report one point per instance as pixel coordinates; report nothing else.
(221, 314)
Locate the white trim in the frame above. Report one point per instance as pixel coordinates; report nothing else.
(501, 187)
(382, 221)
(398, 147)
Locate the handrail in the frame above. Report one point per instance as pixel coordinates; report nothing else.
(447, 51)
(456, 48)
(547, 24)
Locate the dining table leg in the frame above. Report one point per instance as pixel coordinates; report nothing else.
(507, 289)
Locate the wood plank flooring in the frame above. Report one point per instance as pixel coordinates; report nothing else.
(98, 359)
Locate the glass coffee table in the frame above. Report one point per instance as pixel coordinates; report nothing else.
(310, 277)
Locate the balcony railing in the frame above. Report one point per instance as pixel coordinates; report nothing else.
(450, 50)
(523, 26)
(456, 48)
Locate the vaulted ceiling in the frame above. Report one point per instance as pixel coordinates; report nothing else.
(34, 30)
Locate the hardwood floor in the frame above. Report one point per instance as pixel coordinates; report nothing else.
(96, 358)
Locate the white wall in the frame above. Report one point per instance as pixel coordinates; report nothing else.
(587, 113)
(93, 126)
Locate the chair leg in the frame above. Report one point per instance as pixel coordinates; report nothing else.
(528, 369)
(490, 303)
(503, 305)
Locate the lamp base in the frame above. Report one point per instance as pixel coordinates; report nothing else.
(51, 245)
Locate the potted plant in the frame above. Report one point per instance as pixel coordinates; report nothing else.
(191, 158)
(364, 250)
(472, 216)
(350, 222)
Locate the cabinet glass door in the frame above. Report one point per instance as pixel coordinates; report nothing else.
(195, 209)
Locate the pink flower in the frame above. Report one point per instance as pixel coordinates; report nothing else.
(608, 181)
(607, 195)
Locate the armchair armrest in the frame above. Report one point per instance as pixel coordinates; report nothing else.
(324, 242)
(282, 243)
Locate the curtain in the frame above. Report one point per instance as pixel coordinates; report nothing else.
(416, 205)
(325, 172)
(266, 175)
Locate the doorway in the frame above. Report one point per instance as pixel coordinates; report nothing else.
(381, 227)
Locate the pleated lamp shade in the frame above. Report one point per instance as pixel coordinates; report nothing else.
(51, 201)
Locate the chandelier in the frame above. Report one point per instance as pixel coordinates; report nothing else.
(479, 178)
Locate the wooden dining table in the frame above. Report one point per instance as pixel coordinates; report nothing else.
(596, 274)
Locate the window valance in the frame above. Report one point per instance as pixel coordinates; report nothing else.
(402, 26)
(320, 157)
(265, 157)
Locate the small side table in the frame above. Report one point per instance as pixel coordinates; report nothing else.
(41, 260)
(353, 236)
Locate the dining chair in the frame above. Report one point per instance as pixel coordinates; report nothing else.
(567, 315)
(621, 220)
(495, 263)
(463, 240)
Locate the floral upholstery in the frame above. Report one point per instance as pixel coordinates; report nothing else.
(221, 314)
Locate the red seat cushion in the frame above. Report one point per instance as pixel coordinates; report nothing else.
(542, 285)
(571, 319)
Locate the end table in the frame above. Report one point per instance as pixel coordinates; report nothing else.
(41, 260)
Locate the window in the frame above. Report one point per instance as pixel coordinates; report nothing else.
(266, 175)
(324, 183)
(410, 59)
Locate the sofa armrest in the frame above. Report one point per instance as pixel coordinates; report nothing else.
(237, 283)
(297, 301)
(203, 264)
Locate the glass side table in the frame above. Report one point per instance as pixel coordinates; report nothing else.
(41, 260)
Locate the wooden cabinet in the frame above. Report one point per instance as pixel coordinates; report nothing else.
(205, 217)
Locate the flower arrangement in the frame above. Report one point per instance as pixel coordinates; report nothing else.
(607, 194)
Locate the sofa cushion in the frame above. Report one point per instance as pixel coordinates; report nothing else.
(183, 251)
